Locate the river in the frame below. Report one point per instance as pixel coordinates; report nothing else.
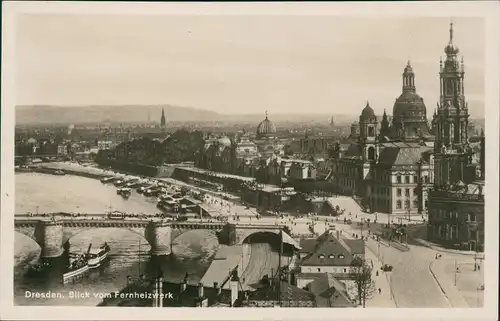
(43, 193)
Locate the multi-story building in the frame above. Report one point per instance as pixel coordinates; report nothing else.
(456, 201)
(387, 176)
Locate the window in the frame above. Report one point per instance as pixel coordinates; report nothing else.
(398, 179)
(415, 203)
(319, 269)
(471, 217)
(407, 179)
(415, 179)
(345, 270)
(398, 204)
(407, 204)
(371, 131)
(331, 256)
(415, 192)
(341, 256)
(321, 256)
(407, 192)
(426, 179)
(398, 192)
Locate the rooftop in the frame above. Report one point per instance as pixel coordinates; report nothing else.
(329, 250)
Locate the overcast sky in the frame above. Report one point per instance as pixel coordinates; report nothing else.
(240, 64)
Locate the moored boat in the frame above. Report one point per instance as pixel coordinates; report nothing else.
(124, 192)
(107, 179)
(98, 255)
(59, 172)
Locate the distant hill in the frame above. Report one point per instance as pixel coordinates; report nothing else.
(42, 114)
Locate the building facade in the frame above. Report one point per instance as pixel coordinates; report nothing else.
(456, 201)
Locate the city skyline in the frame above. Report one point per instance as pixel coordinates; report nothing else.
(283, 64)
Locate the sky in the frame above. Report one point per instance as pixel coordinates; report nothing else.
(240, 64)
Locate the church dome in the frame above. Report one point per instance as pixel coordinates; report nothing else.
(367, 113)
(409, 105)
(266, 127)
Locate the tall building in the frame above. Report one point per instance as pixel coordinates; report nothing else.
(163, 122)
(456, 202)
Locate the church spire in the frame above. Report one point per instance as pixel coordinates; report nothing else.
(162, 120)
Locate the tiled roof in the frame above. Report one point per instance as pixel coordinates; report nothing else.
(330, 292)
(286, 290)
(357, 246)
(401, 156)
(329, 252)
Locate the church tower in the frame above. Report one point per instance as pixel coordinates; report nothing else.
(453, 155)
(163, 122)
(368, 133)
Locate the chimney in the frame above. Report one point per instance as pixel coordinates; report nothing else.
(200, 290)
(234, 287)
(217, 288)
(184, 283)
(158, 292)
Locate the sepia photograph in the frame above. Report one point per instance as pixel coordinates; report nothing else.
(249, 159)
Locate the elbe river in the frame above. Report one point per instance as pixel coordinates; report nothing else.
(43, 193)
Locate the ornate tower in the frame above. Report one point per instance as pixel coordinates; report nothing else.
(385, 130)
(368, 133)
(452, 152)
(163, 122)
(409, 114)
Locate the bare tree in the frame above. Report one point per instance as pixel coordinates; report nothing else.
(362, 274)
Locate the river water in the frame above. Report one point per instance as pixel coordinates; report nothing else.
(192, 251)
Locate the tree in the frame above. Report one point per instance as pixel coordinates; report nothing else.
(362, 273)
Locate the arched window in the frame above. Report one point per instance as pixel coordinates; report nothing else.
(371, 131)
(398, 204)
(371, 153)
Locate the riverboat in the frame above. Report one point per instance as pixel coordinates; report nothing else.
(152, 191)
(124, 192)
(107, 179)
(59, 172)
(98, 255)
(78, 267)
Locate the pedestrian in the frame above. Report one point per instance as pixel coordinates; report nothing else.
(479, 267)
(379, 290)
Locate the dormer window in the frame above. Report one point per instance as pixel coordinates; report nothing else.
(331, 256)
(341, 256)
(322, 256)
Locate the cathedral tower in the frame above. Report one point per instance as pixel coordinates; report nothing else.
(453, 155)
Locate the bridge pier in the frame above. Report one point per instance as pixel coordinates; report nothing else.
(159, 236)
(49, 235)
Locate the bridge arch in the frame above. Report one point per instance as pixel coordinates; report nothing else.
(72, 232)
(27, 234)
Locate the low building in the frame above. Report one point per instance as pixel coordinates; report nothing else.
(329, 253)
(330, 292)
(456, 216)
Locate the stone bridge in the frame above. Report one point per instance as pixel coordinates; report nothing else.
(54, 234)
